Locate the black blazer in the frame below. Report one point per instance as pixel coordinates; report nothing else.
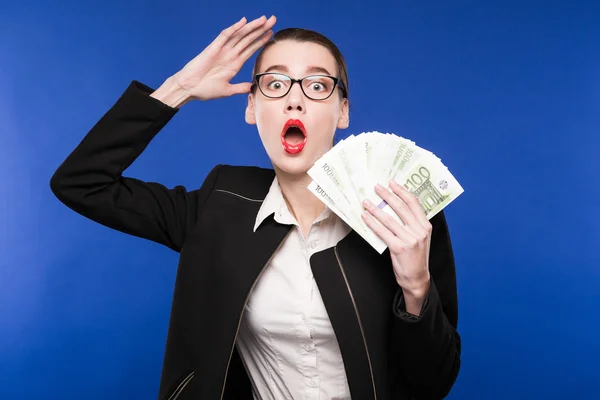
(387, 353)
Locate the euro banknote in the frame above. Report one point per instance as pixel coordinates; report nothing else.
(347, 174)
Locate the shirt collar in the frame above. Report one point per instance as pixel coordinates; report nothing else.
(274, 203)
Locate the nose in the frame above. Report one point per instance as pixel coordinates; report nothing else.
(295, 99)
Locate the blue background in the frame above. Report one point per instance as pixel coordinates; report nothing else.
(507, 93)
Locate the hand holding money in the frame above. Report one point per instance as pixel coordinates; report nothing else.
(347, 175)
(409, 242)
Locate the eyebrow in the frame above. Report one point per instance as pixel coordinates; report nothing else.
(310, 70)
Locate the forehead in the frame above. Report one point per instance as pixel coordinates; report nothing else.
(298, 58)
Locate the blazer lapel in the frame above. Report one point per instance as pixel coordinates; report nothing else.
(244, 262)
(357, 287)
(257, 249)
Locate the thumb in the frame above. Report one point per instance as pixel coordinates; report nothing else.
(240, 88)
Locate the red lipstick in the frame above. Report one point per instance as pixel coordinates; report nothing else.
(293, 148)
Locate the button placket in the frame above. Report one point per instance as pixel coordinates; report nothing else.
(314, 236)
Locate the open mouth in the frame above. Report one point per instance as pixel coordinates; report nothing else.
(293, 136)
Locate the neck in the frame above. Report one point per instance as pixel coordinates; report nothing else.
(303, 205)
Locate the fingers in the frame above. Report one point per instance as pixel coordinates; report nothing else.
(228, 33)
(397, 204)
(388, 229)
(239, 88)
(245, 31)
(250, 36)
(414, 227)
(257, 44)
(412, 202)
(388, 222)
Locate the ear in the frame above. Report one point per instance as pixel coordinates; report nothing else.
(250, 118)
(344, 118)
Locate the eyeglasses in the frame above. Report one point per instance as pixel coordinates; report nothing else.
(316, 87)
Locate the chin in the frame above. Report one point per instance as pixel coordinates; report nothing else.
(293, 166)
(297, 164)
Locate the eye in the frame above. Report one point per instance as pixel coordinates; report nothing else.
(275, 85)
(317, 86)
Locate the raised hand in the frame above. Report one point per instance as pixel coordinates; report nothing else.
(208, 75)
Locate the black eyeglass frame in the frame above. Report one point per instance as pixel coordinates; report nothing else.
(336, 83)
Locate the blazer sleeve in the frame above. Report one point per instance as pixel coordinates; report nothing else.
(90, 180)
(429, 346)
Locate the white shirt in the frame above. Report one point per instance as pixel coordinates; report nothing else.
(286, 340)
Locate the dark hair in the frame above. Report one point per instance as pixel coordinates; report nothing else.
(306, 35)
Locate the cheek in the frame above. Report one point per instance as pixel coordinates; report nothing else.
(265, 122)
(326, 120)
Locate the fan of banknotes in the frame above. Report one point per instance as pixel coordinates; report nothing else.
(347, 174)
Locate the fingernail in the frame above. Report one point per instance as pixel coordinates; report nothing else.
(367, 203)
(379, 187)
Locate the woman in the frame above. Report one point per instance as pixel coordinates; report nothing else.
(275, 297)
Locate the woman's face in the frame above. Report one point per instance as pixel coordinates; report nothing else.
(320, 118)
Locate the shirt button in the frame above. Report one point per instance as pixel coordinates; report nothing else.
(312, 244)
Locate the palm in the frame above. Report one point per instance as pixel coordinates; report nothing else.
(208, 75)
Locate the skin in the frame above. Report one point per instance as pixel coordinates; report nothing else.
(208, 76)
